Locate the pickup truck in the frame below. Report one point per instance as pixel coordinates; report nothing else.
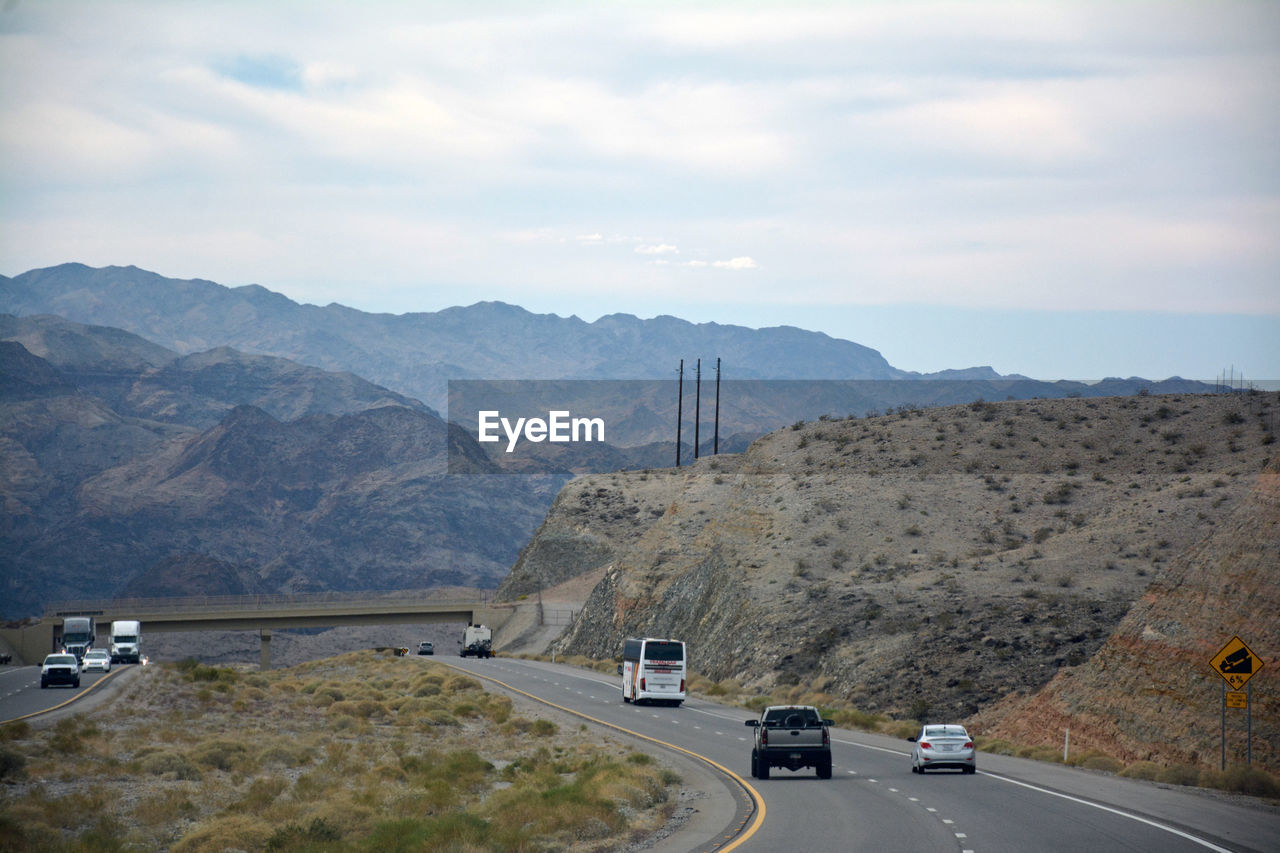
(791, 736)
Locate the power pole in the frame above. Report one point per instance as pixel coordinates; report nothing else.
(697, 405)
(715, 442)
(679, 410)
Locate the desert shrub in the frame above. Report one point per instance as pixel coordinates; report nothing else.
(1179, 774)
(294, 837)
(194, 671)
(362, 708)
(901, 728)
(1253, 781)
(1041, 753)
(1060, 494)
(995, 746)
(106, 835)
(221, 754)
(459, 683)
(496, 708)
(12, 762)
(232, 832)
(448, 832)
(169, 763)
(163, 808)
(262, 792)
(16, 730)
(70, 734)
(517, 725)
(849, 718)
(544, 728)
(1099, 761)
(287, 754)
(1147, 770)
(571, 809)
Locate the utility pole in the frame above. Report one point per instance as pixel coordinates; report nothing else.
(697, 405)
(715, 441)
(679, 410)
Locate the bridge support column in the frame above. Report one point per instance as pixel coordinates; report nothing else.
(264, 662)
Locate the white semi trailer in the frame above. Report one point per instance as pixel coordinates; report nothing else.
(126, 641)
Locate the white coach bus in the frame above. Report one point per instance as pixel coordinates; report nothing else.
(653, 671)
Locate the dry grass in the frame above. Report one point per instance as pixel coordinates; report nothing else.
(357, 752)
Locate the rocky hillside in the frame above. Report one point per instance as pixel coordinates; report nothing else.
(920, 563)
(120, 461)
(1153, 675)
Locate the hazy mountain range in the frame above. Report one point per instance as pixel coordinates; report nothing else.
(150, 421)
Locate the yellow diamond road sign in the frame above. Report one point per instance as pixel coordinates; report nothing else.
(1236, 663)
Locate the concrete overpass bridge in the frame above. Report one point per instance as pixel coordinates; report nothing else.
(261, 613)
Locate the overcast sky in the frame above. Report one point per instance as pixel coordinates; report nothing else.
(1066, 189)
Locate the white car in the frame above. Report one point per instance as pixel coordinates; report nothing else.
(943, 746)
(96, 659)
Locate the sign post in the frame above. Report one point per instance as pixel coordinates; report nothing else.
(1237, 663)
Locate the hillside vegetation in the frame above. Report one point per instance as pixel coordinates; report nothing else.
(921, 563)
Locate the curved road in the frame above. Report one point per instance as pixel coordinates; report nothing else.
(874, 802)
(21, 695)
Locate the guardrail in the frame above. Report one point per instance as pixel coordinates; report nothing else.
(334, 600)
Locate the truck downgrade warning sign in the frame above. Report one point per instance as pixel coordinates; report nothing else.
(1236, 662)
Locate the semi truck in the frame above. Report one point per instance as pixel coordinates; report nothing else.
(126, 641)
(477, 641)
(78, 635)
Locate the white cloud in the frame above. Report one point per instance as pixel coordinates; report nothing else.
(1047, 155)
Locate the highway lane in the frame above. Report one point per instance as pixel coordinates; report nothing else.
(874, 802)
(21, 694)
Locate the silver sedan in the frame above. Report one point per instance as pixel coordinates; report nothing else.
(943, 746)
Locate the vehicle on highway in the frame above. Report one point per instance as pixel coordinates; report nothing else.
(125, 641)
(791, 736)
(940, 746)
(653, 670)
(96, 660)
(78, 635)
(426, 647)
(477, 641)
(61, 668)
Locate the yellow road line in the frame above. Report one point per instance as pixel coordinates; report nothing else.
(103, 680)
(752, 792)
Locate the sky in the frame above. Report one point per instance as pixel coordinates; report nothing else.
(1061, 190)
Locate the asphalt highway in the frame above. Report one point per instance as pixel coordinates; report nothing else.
(22, 697)
(874, 803)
